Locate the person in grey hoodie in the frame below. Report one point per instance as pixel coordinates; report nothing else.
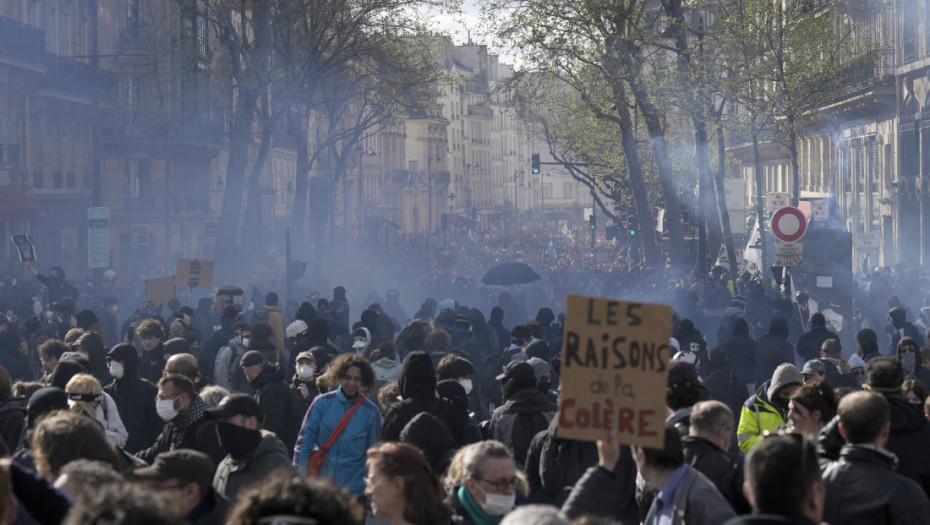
(384, 363)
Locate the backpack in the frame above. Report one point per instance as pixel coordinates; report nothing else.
(525, 428)
(260, 315)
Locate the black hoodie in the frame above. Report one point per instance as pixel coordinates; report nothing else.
(417, 382)
(274, 397)
(135, 399)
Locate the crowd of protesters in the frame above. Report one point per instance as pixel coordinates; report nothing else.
(315, 412)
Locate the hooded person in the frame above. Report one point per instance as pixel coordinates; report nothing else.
(741, 351)
(691, 340)
(908, 354)
(773, 349)
(426, 432)
(417, 382)
(11, 358)
(133, 397)
(70, 364)
(526, 411)
(87, 320)
(42, 402)
(318, 335)
(867, 344)
(384, 363)
(361, 340)
(263, 340)
(56, 283)
(213, 344)
(544, 317)
(282, 412)
(545, 378)
(899, 327)
(91, 345)
(767, 409)
(252, 452)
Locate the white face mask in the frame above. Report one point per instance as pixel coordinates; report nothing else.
(496, 504)
(116, 370)
(359, 344)
(245, 342)
(305, 371)
(466, 384)
(165, 409)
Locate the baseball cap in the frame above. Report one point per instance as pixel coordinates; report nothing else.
(814, 366)
(184, 464)
(251, 358)
(235, 405)
(306, 355)
(517, 369)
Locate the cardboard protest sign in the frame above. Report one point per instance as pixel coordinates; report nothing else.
(614, 370)
(193, 273)
(159, 291)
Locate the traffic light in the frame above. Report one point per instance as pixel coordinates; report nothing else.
(535, 163)
(592, 221)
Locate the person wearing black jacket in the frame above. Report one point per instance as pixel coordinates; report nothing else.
(526, 411)
(910, 431)
(417, 382)
(152, 361)
(185, 427)
(741, 351)
(134, 397)
(810, 343)
(58, 287)
(213, 344)
(273, 396)
(554, 465)
(710, 434)
(862, 487)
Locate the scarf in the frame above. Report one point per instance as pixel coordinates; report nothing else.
(477, 515)
(908, 362)
(193, 415)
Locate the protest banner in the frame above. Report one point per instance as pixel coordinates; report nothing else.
(614, 370)
(194, 273)
(160, 290)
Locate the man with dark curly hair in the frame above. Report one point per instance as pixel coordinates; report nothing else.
(345, 460)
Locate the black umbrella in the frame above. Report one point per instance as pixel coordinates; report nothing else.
(510, 273)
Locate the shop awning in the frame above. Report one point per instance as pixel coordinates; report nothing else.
(17, 206)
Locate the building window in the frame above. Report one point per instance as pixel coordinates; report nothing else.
(53, 31)
(134, 94)
(137, 171)
(132, 20)
(66, 34)
(70, 181)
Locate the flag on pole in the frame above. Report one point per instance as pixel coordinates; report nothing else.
(550, 249)
(722, 258)
(752, 255)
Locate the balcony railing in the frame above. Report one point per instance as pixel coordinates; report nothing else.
(21, 41)
(77, 78)
(150, 125)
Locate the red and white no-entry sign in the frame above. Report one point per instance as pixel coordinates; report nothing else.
(788, 224)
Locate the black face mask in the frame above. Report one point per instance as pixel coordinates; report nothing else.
(236, 440)
(544, 386)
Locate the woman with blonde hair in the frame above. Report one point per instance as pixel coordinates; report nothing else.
(85, 395)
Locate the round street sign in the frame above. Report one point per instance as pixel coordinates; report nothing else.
(788, 224)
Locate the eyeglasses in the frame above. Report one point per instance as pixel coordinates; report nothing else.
(167, 397)
(502, 484)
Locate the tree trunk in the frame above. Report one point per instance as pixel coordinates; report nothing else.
(708, 200)
(299, 214)
(253, 207)
(795, 168)
(721, 195)
(240, 136)
(637, 184)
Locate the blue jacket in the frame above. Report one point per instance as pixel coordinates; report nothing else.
(345, 461)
